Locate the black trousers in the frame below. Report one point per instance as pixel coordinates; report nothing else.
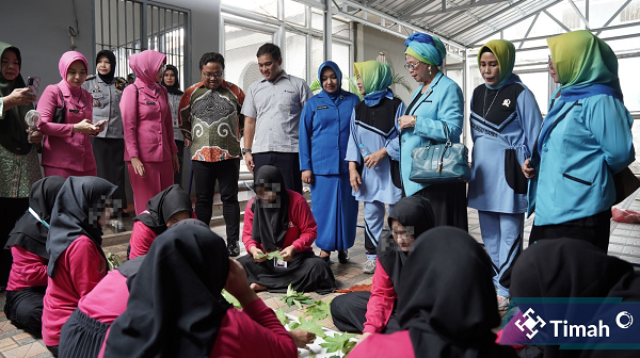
(594, 229)
(349, 313)
(177, 177)
(227, 173)
(449, 203)
(11, 209)
(109, 153)
(24, 309)
(287, 163)
(81, 336)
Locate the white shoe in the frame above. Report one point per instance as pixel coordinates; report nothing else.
(369, 266)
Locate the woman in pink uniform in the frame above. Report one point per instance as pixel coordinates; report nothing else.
(76, 260)
(67, 148)
(151, 152)
(28, 244)
(176, 308)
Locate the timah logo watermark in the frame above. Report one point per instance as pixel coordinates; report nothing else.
(601, 323)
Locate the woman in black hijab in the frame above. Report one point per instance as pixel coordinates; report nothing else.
(446, 302)
(565, 268)
(171, 81)
(76, 260)
(28, 244)
(176, 308)
(374, 312)
(277, 219)
(16, 149)
(167, 208)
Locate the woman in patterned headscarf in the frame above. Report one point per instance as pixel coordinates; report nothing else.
(436, 103)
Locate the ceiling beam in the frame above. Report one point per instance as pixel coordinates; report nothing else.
(584, 19)
(529, 30)
(413, 7)
(455, 8)
(485, 21)
(614, 15)
(564, 27)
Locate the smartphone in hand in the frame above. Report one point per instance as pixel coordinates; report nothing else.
(34, 84)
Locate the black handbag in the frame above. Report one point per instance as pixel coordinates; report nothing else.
(440, 163)
(59, 113)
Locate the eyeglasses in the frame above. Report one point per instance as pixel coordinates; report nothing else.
(213, 75)
(401, 234)
(411, 66)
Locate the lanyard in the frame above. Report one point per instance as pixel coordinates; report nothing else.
(35, 215)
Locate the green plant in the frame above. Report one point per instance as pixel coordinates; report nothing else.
(319, 311)
(227, 296)
(271, 255)
(282, 316)
(298, 298)
(309, 326)
(339, 343)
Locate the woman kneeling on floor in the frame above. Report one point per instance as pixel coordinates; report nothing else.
(374, 312)
(280, 220)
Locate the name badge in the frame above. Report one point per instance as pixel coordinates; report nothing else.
(74, 111)
(321, 107)
(150, 102)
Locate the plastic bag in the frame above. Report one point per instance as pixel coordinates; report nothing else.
(625, 216)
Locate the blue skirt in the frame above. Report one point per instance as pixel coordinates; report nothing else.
(335, 210)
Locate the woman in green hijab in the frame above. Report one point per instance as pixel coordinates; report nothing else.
(585, 140)
(19, 167)
(505, 122)
(372, 153)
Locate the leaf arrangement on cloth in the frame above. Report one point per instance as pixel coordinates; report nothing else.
(271, 255)
(227, 296)
(282, 316)
(298, 298)
(339, 343)
(113, 261)
(309, 326)
(319, 311)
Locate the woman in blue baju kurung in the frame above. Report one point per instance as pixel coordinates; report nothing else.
(324, 136)
(437, 101)
(505, 122)
(373, 151)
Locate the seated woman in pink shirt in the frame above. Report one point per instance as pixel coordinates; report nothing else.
(277, 219)
(28, 244)
(150, 150)
(446, 303)
(83, 334)
(76, 260)
(375, 311)
(67, 149)
(169, 207)
(176, 308)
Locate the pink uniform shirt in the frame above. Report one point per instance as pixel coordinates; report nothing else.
(28, 270)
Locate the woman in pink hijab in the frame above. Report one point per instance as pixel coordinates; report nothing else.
(151, 152)
(67, 148)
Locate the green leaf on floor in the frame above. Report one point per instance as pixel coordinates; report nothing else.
(271, 255)
(319, 311)
(113, 261)
(339, 343)
(227, 296)
(293, 297)
(309, 326)
(282, 316)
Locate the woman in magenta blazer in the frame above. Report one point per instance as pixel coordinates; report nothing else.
(67, 148)
(151, 152)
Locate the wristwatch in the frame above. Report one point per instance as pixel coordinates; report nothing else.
(245, 151)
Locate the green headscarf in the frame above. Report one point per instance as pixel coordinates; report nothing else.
(583, 59)
(376, 76)
(505, 53)
(12, 128)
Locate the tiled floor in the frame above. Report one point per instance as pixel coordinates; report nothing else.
(625, 243)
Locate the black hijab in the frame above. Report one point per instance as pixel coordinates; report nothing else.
(446, 297)
(76, 212)
(29, 232)
(416, 215)
(108, 78)
(160, 208)
(565, 268)
(12, 128)
(270, 221)
(175, 89)
(175, 306)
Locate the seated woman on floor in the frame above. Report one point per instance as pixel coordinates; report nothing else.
(76, 260)
(277, 219)
(163, 210)
(374, 312)
(28, 243)
(176, 308)
(446, 303)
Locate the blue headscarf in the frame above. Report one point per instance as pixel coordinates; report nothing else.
(335, 69)
(425, 48)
